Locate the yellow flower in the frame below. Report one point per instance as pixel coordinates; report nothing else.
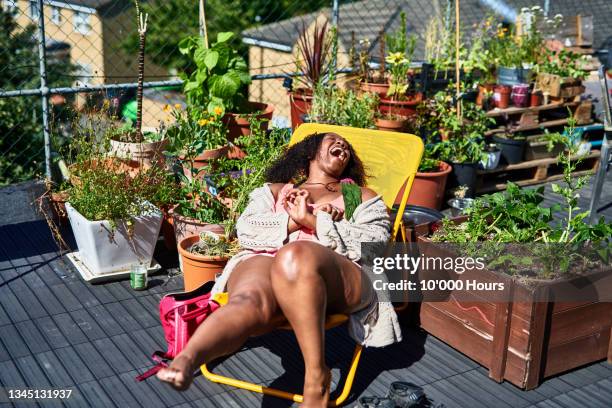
(177, 106)
(166, 108)
(218, 110)
(202, 122)
(395, 58)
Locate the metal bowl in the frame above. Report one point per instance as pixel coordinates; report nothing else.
(459, 205)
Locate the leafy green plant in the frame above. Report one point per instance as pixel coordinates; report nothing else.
(565, 63)
(214, 245)
(221, 76)
(195, 202)
(341, 107)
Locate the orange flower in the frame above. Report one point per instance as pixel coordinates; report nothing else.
(177, 106)
(202, 122)
(218, 110)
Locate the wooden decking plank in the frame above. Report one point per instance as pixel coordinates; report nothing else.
(54, 370)
(69, 328)
(118, 291)
(96, 363)
(88, 325)
(144, 392)
(4, 354)
(122, 316)
(553, 386)
(74, 365)
(579, 378)
(511, 397)
(118, 392)
(51, 332)
(49, 301)
(11, 305)
(4, 318)
(66, 297)
(459, 396)
(95, 394)
(592, 400)
(478, 390)
(32, 336)
(132, 351)
(112, 355)
(35, 377)
(28, 299)
(13, 342)
(139, 313)
(82, 292)
(105, 320)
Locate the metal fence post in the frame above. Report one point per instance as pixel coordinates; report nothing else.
(44, 91)
(335, 13)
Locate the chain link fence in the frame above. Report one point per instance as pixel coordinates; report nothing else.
(60, 58)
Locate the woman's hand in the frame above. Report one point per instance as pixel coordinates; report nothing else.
(336, 213)
(298, 210)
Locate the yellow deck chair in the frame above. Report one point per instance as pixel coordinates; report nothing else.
(391, 159)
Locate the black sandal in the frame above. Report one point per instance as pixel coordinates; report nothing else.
(406, 395)
(376, 402)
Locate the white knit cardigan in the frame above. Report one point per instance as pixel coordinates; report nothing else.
(260, 228)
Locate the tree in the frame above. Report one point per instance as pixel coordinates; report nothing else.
(172, 20)
(21, 138)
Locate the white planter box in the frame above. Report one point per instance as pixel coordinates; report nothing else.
(105, 251)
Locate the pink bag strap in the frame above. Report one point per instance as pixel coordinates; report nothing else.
(158, 357)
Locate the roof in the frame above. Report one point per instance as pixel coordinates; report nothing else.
(366, 19)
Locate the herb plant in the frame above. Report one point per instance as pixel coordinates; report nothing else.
(336, 106)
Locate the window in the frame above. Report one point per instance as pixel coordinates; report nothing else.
(56, 15)
(34, 10)
(10, 5)
(81, 22)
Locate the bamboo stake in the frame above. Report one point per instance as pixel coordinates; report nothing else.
(142, 33)
(457, 87)
(202, 15)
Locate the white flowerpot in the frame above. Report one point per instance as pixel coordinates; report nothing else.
(104, 249)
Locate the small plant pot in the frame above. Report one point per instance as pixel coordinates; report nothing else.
(535, 99)
(203, 160)
(391, 125)
(492, 159)
(428, 188)
(380, 89)
(501, 96)
(104, 249)
(238, 124)
(484, 91)
(513, 76)
(149, 153)
(198, 269)
(459, 205)
(520, 95)
(300, 102)
(535, 150)
(511, 150)
(465, 174)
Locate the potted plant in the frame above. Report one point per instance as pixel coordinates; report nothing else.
(537, 335)
(560, 74)
(204, 256)
(196, 138)
(343, 107)
(512, 146)
(313, 61)
(219, 82)
(129, 142)
(429, 184)
(478, 63)
(492, 155)
(545, 146)
(113, 219)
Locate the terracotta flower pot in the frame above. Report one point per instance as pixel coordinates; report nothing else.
(186, 226)
(483, 90)
(300, 102)
(391, 125)
(150, 153)
(501, 96)
(198, 269)
(203, 160)
(428, 188)
(406, 107)
(380, 89)
(132, 167)
(535, 99)
(238, 124)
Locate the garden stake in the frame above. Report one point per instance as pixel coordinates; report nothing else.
(142, 32)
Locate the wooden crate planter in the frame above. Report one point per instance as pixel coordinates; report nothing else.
(523, 341)
(558, 87)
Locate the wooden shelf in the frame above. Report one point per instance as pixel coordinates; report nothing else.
(540, 125)
(536, 163)
(515, 111)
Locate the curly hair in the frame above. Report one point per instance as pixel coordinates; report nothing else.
(294, 164)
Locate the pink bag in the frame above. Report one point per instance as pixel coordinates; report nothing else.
(180, 314)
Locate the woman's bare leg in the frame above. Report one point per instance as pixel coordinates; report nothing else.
(309, 280)
(251, 310)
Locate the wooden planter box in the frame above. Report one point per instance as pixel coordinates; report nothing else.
(558, 87)
(522, 341)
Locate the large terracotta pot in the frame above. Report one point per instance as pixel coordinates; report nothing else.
(391, 125)
(203, 159)
(149, 153)
(428, 188)
(405, 107)
(198, 269)
(238, 124)
(186, 226)
(300, 102)
(380, 89)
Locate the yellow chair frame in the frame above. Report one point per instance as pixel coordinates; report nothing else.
(391, 159)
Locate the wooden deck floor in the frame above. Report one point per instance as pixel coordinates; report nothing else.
(57, 331)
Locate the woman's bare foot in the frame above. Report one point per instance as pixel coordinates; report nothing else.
(316, 389)
(179, 374)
